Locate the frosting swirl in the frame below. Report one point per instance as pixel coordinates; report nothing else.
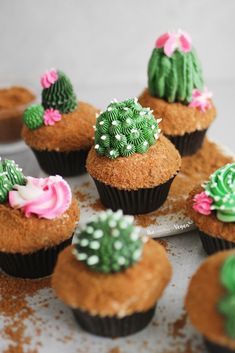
(221, 188)
(44, 197)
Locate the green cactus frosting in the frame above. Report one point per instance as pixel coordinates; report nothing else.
(33, 116)
(174, 78)
(221, 188)
(109, 243)
(226, 305)
(60, 95)
(10, 175)
(125, 128)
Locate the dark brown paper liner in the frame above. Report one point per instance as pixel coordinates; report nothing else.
(113, 326)
(215, 348)
(38, 264)
(189, 143)
(66, 164)
(212, 244)
(135, 201)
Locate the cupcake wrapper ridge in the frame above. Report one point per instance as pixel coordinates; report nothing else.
(66, 164)
(113, 326)
(38, 264)
(213, 244)
(189, 143)
(133, 201)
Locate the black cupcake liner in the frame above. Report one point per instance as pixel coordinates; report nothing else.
(133, 201)
(212, 244)
(38, 264)
(113, 326)
(66, 164)
(189, 143)
(215, 348)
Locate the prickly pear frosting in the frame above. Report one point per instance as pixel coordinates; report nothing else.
(125, 128)
(226, 305)
(43, 197)
(174, 70)
(219, 195)
(109, 243)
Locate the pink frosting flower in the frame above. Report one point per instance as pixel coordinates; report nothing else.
(201, 100)
(44, 197)
(49, 78)
(202, 203)
(51, 116)
(171, 41)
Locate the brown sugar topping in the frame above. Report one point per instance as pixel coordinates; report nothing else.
(155, 167)
(111, 294)
(74, 131)
(26, 235)
(202, 299)
(14, 97)
(177, 119)
(210, 224)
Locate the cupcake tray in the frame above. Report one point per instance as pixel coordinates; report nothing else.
(51, 328)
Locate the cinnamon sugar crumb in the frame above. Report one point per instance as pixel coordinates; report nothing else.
(115, 350)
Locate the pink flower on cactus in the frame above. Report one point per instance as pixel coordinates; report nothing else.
(49, 78)
(201, 100)
(51, 116)
(202, 203)
(171, 41)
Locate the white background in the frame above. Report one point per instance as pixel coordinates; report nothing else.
(105, 45)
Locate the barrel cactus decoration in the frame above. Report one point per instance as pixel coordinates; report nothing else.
(125, 128)
(58, 92)
(10, 175)
(174, 70)
(33, 116)
(109, 243)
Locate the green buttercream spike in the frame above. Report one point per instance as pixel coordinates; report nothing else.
(125, 128)
(226, 305)
(60, 95)
(33, 116)
(221, 188)
(110, 243)
(174, 78)
(10, 175)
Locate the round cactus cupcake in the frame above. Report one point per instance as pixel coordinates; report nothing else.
(212, 208)
(132, 165)
(176, 92)
(60, 129)
(210, 302)
(108, 255)
(40, 215)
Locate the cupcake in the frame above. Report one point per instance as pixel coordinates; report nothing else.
(176, 92)
(13, 102)
(210, 302)
(60, 130)
(38, 217)
(132, 165)
(212, 209)
(113, 276)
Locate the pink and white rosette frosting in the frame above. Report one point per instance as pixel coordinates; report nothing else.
(172, 41)
(49, 78)
(51, 116)
(44, 197)
(202, 203)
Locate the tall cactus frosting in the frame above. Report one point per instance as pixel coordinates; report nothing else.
(125, 128)
(58, 93)
(226, 305)
(174, 70)
(109, 243)
(10, 175)
(219, 195)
